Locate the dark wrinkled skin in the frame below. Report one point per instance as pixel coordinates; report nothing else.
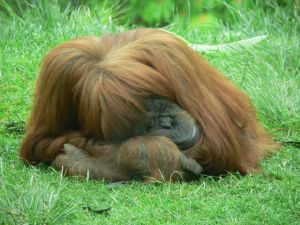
(165, 118)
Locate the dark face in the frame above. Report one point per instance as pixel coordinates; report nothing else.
(165, 118)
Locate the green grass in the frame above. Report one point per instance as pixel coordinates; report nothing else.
(268, 72)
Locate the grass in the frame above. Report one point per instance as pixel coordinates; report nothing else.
(268, 72)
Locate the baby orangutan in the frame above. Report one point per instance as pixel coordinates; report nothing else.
(141, 158)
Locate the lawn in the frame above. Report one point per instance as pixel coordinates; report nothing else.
(269, 72)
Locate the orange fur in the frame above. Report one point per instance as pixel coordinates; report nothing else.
(94, 86)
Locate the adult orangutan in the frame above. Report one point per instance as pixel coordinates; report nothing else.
(92, 104)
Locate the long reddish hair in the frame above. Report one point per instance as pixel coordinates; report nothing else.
(98, 86)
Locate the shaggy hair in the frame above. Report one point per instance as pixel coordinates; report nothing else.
(93, 87)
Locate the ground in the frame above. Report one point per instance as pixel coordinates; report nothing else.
(269, 73)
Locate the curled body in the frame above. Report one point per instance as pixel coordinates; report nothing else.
(99, 87)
